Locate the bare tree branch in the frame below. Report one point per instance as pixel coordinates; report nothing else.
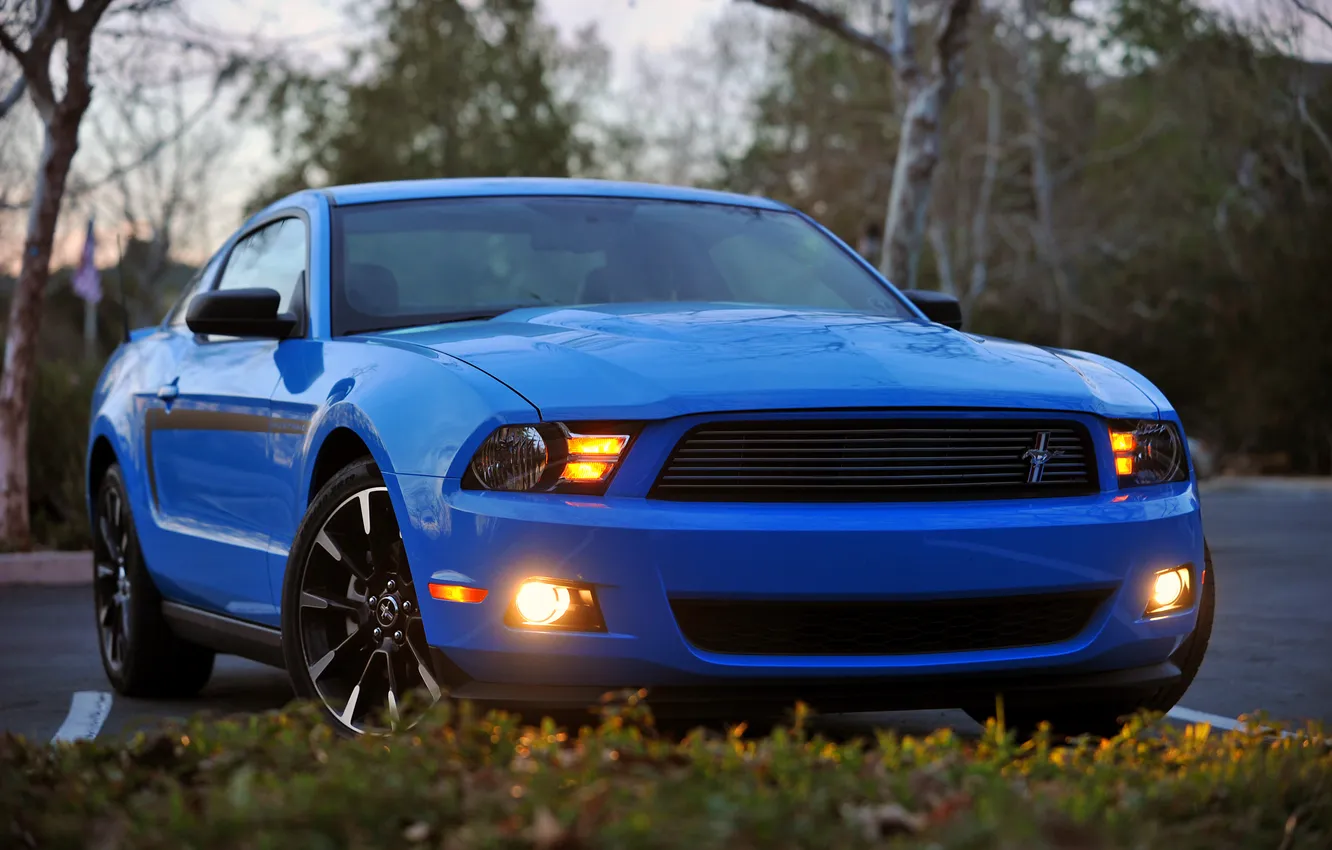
(950, 44)
(838, 25)
(15, 94)
(1313, 125)
(10, 46)
(92, 10)
(903, 53)
(147, 153)
(1307, 9)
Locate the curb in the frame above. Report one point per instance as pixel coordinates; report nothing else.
(46, 568)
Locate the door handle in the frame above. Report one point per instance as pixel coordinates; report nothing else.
(168, 392)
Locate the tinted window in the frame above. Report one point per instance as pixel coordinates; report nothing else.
(415, 262)
(201, 281)
(272, 257)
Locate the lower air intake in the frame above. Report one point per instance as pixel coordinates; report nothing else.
(885, 628)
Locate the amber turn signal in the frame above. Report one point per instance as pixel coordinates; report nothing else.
(457, 593)
(583, 445)
(1123, 441)
(592, 457)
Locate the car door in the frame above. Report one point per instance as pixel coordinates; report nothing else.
(207, 438)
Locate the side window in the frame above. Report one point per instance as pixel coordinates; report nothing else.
(201, 280)
(272, 257)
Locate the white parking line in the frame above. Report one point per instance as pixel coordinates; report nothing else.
(87, 713)
(1188, 715)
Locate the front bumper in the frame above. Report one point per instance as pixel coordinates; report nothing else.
(641, 553)
(740, 698)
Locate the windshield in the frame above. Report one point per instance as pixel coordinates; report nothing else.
(407, 263)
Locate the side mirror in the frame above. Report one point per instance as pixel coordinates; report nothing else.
(937, 307)
(239, 312)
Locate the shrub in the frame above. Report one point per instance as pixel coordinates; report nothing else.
(57, 443)
(461, 780)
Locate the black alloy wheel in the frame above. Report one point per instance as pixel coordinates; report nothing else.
(352, 630)
(111, 585)
(140, 653)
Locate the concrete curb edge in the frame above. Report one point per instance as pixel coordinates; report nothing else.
(47, 568)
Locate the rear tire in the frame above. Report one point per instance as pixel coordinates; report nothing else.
(1107, 718)
(141, 655)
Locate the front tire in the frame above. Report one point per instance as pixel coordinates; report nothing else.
(141, 655)
(351, 625)
(1106, 718)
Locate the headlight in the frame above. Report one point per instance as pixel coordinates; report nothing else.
(551, 456)
(512, 458)
(1147, 452)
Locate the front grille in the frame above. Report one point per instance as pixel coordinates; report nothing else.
(872, 460)
(884, 628)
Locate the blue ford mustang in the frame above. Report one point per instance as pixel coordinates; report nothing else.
(527, 441)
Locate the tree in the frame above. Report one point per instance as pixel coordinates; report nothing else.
(442, 89)
(925, 96)
(43, 25)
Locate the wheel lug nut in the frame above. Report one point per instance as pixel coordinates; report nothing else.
(392, 585)
(397, 637)
(371, 601)
(407, 605)
(379, 633)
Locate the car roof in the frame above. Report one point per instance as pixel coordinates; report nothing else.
(402, 190)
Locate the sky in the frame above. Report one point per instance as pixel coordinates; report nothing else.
(631, 28)
(628, 26)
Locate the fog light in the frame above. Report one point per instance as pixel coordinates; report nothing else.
(541, 603)
(544, 603)
(1172, 590)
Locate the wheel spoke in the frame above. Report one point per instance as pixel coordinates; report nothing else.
(104, 529)
(364, 498)
(423, 667)
(392, 697)
(118, 523)
(104, 615)
(105, 570)
(350, 710)
(315, 600)
(362, 686)
(341, 555)
(341, 653)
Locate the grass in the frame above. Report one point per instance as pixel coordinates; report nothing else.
(460, 780)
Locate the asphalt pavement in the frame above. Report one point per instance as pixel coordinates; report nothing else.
(1271, 648)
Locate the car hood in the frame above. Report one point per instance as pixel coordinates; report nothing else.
(655, 361)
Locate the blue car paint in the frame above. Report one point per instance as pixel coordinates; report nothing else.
(423, 399)
(636, 361)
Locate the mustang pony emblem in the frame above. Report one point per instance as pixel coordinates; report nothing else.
(1039, 456)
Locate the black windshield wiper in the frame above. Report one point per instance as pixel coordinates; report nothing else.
(474, 314)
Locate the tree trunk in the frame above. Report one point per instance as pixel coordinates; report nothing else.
(1042, 182)
(25, 312)
(980, 220)
(913, 179)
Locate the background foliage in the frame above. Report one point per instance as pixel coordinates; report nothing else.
(462, 780)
